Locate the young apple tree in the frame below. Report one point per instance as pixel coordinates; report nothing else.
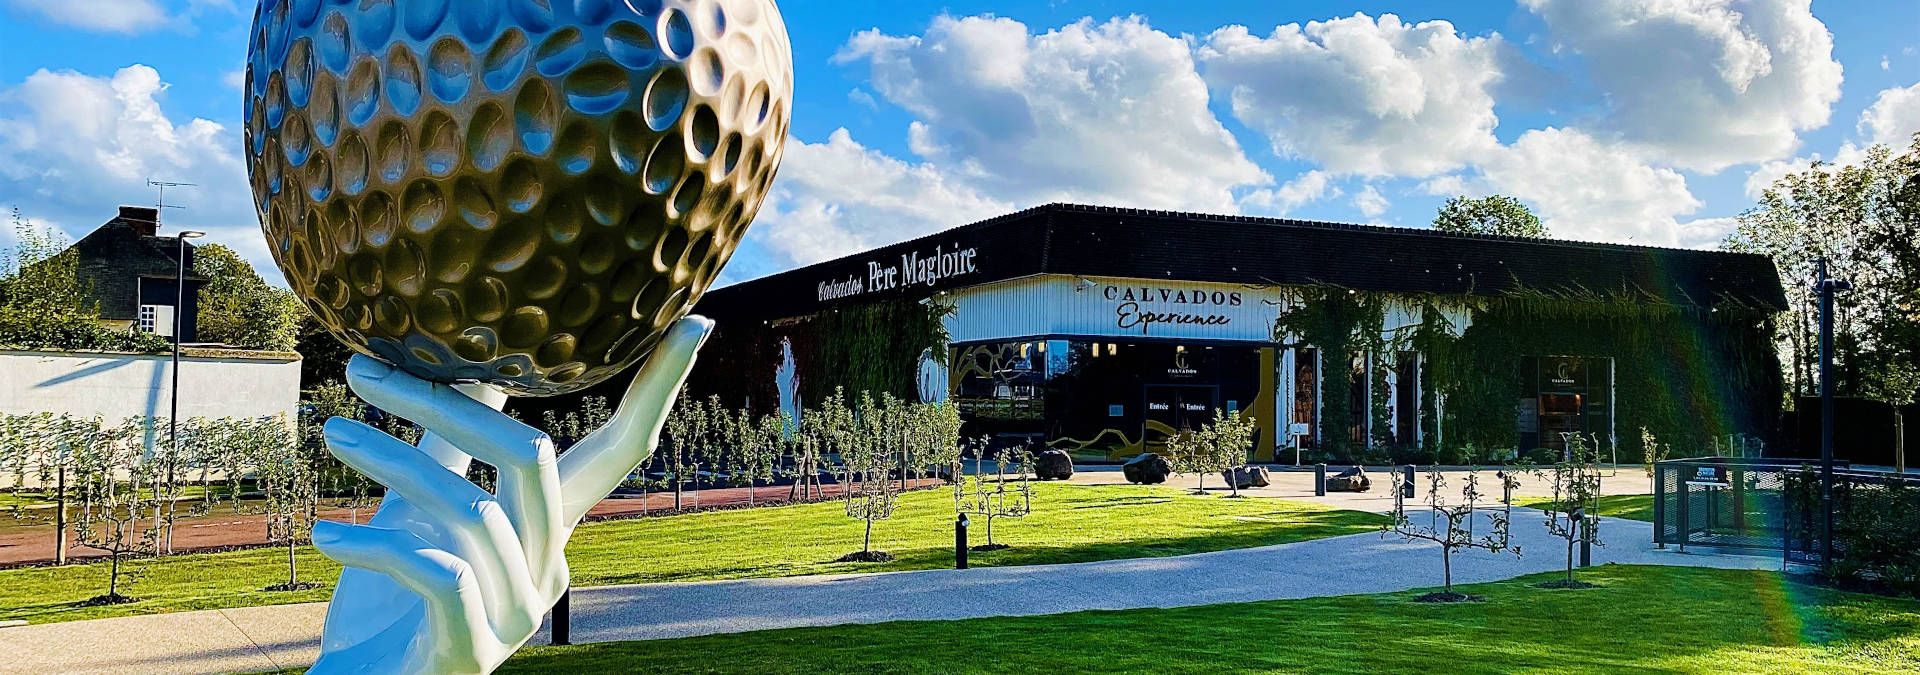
(116, 491)
(1454, 524)
(290, 483)
(1573, 514)
(995, 495)
(866, 462)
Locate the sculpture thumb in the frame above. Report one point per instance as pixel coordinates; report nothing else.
(598, 463)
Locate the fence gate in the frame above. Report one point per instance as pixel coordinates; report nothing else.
(1726, 502)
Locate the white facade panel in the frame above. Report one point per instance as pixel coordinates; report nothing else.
(1109, 307)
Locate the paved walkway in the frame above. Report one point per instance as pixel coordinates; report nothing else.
(271, 638)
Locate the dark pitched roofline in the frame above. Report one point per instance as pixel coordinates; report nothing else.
(1741, 278)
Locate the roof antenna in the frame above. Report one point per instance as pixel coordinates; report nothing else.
(160, 209)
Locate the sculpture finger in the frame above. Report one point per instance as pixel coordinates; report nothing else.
(455, 611)
(598, 463)
(529, 487)
(478, 528)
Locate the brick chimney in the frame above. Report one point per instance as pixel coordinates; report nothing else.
(144, 219)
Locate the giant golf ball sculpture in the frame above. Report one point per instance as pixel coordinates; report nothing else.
(519, 197)
(524, 193)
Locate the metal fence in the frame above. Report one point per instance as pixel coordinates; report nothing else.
(1723, 502)
(1875, 518)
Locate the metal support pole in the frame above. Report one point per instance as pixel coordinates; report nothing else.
(1827, 286)
(563, 619)
(960, 542)
(1319, 480)
(60, 519)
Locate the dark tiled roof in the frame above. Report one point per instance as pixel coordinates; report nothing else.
(114, 258)
(1102, 241)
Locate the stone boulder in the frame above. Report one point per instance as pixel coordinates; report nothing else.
(1351, 480)
(1053, 465)
(1243, 477)
(1147, 469)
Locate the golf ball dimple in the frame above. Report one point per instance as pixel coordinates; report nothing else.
(525, 193)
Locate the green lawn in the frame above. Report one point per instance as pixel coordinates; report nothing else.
(1070, 524)
(1630, 507)
(1642, 620)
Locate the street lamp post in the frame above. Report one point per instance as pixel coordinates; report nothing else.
(173, 418)
(1827, 287)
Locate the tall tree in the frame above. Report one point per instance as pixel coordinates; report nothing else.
(1493, 214)
(1862, 219)
(239, 308)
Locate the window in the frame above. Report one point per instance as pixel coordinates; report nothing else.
(156, 319)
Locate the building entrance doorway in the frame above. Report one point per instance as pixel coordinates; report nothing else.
(1173, 408)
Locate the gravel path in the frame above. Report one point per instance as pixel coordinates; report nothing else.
(271, 638)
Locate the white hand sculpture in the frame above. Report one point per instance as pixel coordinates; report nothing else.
(447, 578)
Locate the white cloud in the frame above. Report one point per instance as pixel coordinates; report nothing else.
(1359, 95)
(1705, 233)
(73, 147)
(1111, 112)
(1370, 202)
(1767, 173)
(107, 16)
(839, 197)
(1450, 185)
(1588, 189)
(1893, 118)
(1304, 189)
(1702, 84)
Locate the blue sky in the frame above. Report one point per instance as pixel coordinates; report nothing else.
(1646, 121)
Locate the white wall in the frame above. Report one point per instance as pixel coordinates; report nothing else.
(119, 386)
(1099, 306)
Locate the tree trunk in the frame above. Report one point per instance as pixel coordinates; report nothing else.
(293, 568)
(989, 527)
(678, 487)
(1570, 539)
(866, 545)
(113, 577)
(1446, 566)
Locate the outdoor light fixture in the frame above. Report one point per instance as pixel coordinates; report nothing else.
(179, 319)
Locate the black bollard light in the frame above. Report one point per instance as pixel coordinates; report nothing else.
(1586, 539)
(960, 543)
(563, 619)
(1320, 480)
(1406, 486)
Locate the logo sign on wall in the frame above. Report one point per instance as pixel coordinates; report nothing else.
(913, 268)
(932, 379)
(1140, 309)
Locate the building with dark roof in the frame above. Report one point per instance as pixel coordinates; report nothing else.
(131, 269)
(1104, 331)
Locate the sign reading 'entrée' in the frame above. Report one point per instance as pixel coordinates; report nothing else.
(914, 268)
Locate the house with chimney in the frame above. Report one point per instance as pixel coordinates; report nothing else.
(142, 280)
(135, 274)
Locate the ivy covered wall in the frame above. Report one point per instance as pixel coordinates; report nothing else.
(873, 347)
(1685, 373)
